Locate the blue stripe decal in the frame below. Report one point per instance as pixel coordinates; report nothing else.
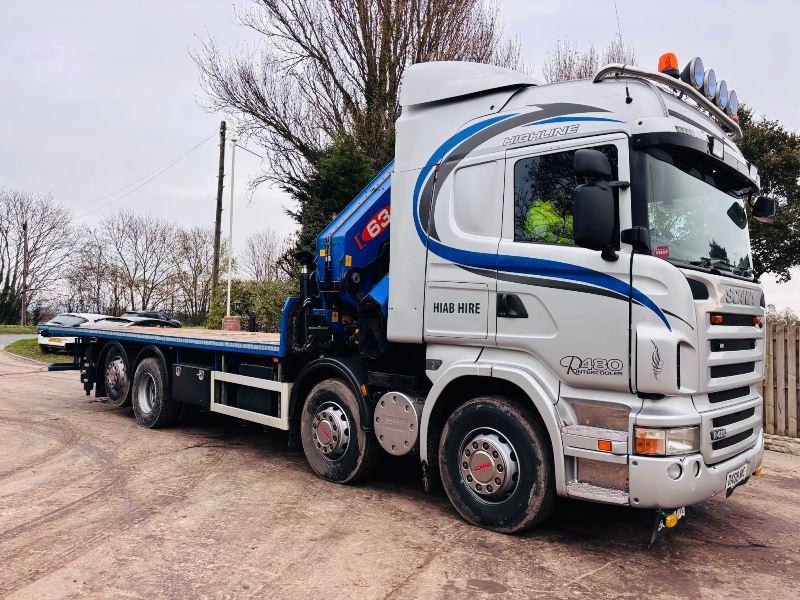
(440, 153)
(569, 119)
(518, 264)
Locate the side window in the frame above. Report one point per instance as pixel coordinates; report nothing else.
(477, 196)
(543, 187)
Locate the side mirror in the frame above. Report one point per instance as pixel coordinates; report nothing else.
(593, 203)
(591, 164)
(764, 210)
(593, 216)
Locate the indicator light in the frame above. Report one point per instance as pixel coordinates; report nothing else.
(604, 445)
(671, 520)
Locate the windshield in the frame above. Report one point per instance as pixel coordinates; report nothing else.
(697, 213)
(67, 320)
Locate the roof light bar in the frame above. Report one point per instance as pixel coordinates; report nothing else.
(733, 106)
(620, 70)
(722, 95)
(693, 73)
(710, 85)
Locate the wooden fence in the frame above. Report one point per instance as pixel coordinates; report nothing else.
(781, 387)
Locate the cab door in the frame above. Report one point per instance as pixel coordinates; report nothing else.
(564, 305)
(464, 229)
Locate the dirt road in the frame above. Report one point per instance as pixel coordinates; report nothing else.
(92, 505)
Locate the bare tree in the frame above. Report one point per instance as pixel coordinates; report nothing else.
(50, 240)
(193, 254)
(260, 258)
(328, 67)
(141, 249)
(91, 282)
(618, 51)
(566, 61)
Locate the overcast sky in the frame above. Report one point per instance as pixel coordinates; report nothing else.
(97, 94)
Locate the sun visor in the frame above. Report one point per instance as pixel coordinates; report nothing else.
(435, 81)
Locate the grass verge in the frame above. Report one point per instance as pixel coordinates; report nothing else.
(30, 349)
(17, 329)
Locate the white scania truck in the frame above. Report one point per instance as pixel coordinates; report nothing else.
(563, 304)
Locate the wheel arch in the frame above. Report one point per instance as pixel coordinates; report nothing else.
(463, 382)
(351, 370)
(154, 351)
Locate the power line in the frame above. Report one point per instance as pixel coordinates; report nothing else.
(145, 179)
(250, 151)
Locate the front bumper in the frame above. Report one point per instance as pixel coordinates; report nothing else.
(651, 487)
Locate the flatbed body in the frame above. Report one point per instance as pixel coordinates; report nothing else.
(249, 342)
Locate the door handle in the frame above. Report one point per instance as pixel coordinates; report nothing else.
(511, 307)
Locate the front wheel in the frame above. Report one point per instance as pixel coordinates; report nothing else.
(496, 464)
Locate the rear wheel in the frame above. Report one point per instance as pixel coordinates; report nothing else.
(336, 447)
(496, 464)
(151, 405)
(116, 377)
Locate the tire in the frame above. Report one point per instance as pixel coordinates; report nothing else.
(152, 406)
(46, 349)
(117, 377)
(336, 447)
(496, 464)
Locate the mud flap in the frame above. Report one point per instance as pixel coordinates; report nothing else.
(665, 521)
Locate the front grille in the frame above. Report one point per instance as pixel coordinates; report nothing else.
(733, 417)
(699, 289)
(730, 370)
(724, 395)
(732, 345)
(740, 425)
(730, 441)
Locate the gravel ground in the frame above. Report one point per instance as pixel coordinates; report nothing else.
(94, 506)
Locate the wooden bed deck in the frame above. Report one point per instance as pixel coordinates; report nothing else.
(209, 339)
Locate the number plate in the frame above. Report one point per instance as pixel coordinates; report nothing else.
(56, 340)
(736, 477)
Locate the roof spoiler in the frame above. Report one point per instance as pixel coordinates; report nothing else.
(620, 70)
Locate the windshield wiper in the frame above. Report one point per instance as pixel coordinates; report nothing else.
(721, 265)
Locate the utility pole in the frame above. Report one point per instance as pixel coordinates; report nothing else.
(218, 220)
(230, 228)
(23, 317)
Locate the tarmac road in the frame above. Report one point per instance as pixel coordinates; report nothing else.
(91, 505)
(7, 338)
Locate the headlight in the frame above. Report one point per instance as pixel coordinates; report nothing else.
(667, 442)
